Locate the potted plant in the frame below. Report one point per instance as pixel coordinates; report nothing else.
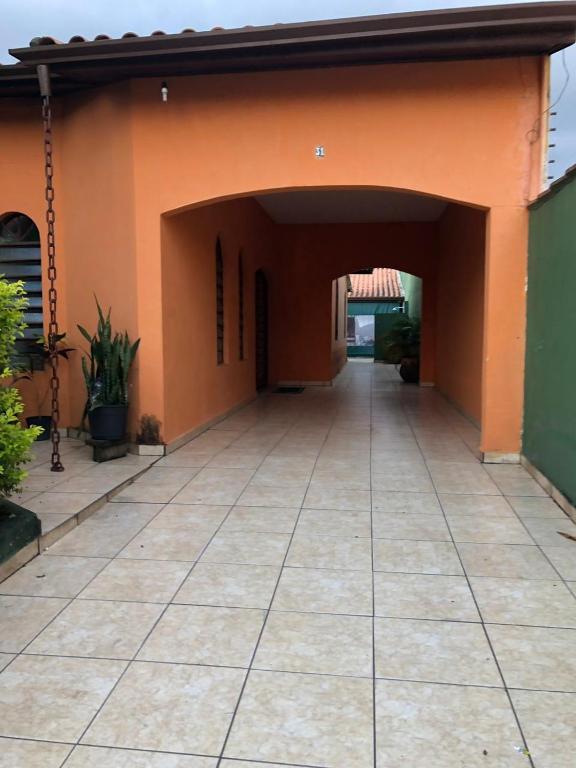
(106, 373)
(41, 387)
(402, 347)
(18, 526)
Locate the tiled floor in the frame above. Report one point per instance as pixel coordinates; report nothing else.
(328, 580)
(63, 499)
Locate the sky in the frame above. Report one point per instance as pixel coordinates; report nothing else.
(25, 19)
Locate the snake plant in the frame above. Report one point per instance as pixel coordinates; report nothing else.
(107, 368)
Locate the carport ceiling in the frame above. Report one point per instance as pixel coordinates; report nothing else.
(350, 206)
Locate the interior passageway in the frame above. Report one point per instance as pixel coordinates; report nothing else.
(312, 565)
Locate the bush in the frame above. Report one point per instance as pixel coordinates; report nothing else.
(15, 440)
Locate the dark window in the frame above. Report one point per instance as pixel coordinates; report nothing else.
(219, 304)
(20, 260)
(240, 307)
(337, 311)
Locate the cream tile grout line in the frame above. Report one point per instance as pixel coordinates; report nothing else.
(374, 713)
(269, 609)
(131, 661)
(482, 623)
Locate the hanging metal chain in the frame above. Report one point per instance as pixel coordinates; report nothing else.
(43, 74)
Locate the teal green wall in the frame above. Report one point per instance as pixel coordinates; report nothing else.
(549, 440)
(412, 293)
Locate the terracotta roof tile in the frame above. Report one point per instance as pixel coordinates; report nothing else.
(381, 284)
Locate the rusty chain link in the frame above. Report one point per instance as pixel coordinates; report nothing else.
(56, 464)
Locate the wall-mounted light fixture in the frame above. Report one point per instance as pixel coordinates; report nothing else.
(164, 92)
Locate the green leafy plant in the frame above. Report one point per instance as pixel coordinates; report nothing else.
(15, 440)
(149, 432)
(107, 367)
(402, 340)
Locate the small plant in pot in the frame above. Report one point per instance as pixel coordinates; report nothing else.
(106, 372)
(402, 347)
(18, 526)
(40, 387)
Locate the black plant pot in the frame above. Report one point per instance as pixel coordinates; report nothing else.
(410, 370)
(41, 421)
(108, 422)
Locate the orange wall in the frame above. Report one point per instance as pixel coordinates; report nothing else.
(460, 307)
(197, 389)
(339, 312)
(452, 129)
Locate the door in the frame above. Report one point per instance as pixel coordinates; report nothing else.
(261, 323)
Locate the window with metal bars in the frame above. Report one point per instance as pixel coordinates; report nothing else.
(219, 304)
(20, 260)
(240, 306)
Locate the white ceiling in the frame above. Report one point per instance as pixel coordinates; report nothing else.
(350, 206)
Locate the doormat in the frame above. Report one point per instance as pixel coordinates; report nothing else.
(288, 391)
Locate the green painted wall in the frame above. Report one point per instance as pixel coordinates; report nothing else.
(549, 440)
(413, 293)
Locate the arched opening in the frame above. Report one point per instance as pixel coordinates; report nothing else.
(306, 242)
(20, 259)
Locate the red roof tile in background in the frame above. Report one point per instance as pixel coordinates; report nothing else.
(381, 284)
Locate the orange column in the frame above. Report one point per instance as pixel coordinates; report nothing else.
(504, 332)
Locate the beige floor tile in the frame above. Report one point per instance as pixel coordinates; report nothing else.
(334, 522)
(169, 476)
(344, 480)
(304, 719)
(54, 699)
(506, 560)
(563, 559)
(138, 492)
(287, 478)
(167, 544)
(180, 459)
(233, 459)
(247, 548)
(324, 591)
(395, 555)
(191, 634)
(63, 503)
(535, 657)
(261, 519)
(32, 754)
(476, 507)
(444, 726)
(511, 486)
(410, 527)
(106, 757)
(51, 521)
(215, 486)
(488, 530)
(527, 507)
(525, 601)
(405, 503)
(316, 643)
(462, 477)
(121, 512)
(434, 651)
(190, 516)
(52, 576)
(327, 498)
(417, 482)
(97, 539)
(22, 618)
(5, 659)
(233, 586)
(547, 720)
(152, 581)
(347, 553)
(421, 596)
(249, 764)
(548, 533)
(106, 629)
(199, 700)
(272, 496)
